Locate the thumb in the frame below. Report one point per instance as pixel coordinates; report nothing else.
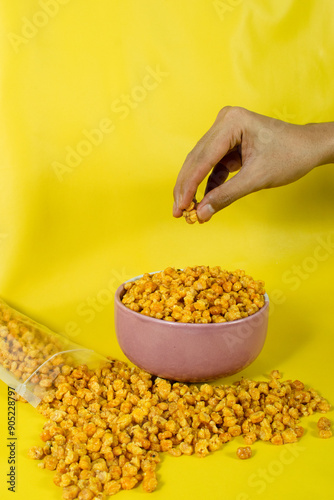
(240, 185)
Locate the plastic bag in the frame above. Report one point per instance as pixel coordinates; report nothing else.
(32, 356)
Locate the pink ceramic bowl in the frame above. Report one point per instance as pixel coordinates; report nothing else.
(189, 352)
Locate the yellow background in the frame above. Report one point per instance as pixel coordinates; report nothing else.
(67, 241)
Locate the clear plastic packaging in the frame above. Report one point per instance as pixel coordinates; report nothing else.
(32, 356)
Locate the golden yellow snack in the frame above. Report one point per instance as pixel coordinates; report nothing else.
(97, 449)
(199, 294)
(324, 423)
(324, 427)
(244, 452)
(106, 427)
(190, 213)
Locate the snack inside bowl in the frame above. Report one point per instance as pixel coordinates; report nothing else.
(189, 352)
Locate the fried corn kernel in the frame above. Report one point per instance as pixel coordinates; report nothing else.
(128, 483)
(85, 494)
(36, 453)
(244, 452)
(277, 439)
(150, 481)
(195, 295)
(112, 487)
(324, 423)
(325, 433)
(190, 213)
(70, 492)
(289, 436)
(250, 438)
(324, 427)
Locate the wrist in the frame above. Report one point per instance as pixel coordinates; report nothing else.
(321, 136)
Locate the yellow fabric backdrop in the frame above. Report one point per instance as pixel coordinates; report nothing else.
(100, 103)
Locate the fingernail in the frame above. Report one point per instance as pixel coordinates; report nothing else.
(205, 213)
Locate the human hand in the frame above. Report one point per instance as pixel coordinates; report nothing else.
(266, 152)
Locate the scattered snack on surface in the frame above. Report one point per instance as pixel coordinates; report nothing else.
(199, 294)
(106, 427)
(190, 213)
(244, 452)
(324, 427)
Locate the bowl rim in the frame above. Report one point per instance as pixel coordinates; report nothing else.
(179, 323)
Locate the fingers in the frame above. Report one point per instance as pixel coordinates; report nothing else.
(217, 177)
(222, 196)
(177, 212)
(222, 137)
(230, 163)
